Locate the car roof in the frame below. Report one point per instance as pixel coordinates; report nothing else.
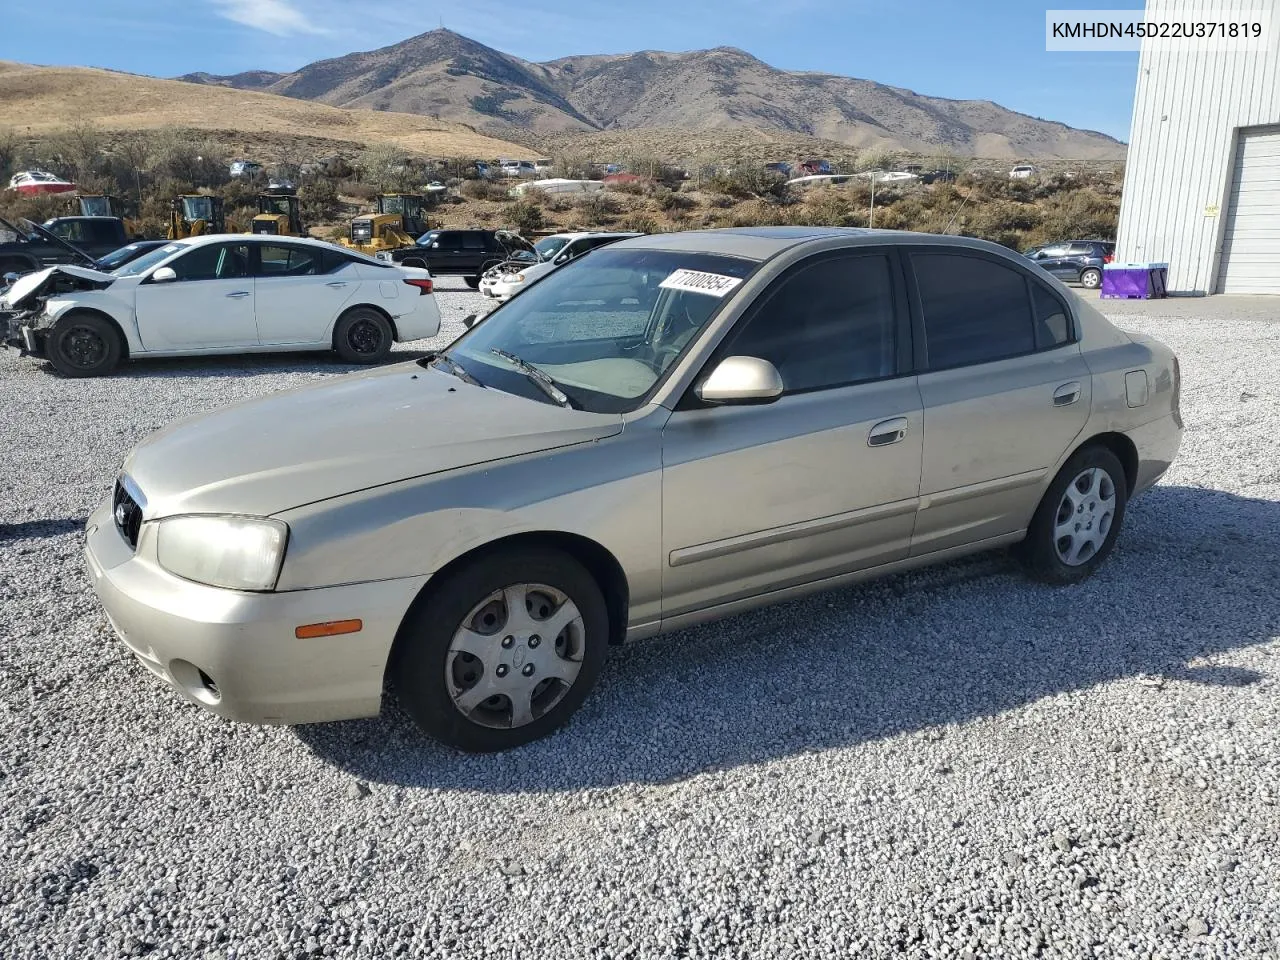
(762, 243)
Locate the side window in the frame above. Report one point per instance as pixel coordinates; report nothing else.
(473, 240)
(332, 261)
(1053, 322)
(220, 261)
(827, 324)
(449, 241)
(1053, 251)
(1081, 250)
(102, 232)
(71, 231)
(975, 310)
(289, 261)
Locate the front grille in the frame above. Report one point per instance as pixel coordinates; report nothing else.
(361, 231)
(127, 514)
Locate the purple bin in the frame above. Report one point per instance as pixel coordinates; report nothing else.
(1134, 281)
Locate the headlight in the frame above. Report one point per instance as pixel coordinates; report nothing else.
(239, 553)
(515, 278)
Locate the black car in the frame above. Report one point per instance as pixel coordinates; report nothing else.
(1075, 261)
(129, 252)
(27, 246)
(460, 253)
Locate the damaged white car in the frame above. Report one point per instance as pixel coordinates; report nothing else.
(219, 294)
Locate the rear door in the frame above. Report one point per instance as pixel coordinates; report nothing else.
(210, 304)
(1005, 389)
(299, 291)
(476, 252)
(823, 480)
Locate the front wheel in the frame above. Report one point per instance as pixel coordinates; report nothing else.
(473, 282)
(1076, 525)
(1091, 279)
(503, 651)
(363, 335)
(83, 345)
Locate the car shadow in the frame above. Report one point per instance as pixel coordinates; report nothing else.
(1193, 576)
(41, 529)
(250, 364)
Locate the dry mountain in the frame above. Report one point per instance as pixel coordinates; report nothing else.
(445, 75)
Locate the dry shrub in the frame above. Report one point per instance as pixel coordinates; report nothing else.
(483, 190)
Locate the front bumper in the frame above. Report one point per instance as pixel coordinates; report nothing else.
(235, 653)
(498, 289)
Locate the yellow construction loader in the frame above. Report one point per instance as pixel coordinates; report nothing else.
(400, 219)
(194, 215)
(279, 213)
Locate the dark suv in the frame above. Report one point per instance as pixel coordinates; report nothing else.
(1075, 261)
(460, 253)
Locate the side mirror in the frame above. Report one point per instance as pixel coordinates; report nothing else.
(9, 280)
(435, 245)
(563, 258)
(469, 321)
(164, 275)
(741, 380)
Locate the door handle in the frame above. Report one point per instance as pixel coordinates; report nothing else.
(336, 283)
(238, 294)
(1067, 394)
(887, 431)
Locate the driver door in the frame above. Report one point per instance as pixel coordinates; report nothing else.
(822, 481)
(209, 306)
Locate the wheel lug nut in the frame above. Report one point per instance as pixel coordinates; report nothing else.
(502, 670)
(507, 642)
(528, 670)
(534, 641)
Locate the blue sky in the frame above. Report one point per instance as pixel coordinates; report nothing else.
(988, 49)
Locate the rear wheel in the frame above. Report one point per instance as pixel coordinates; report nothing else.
(83, 345)
(1076, 525)
(1091, 278)
(363, 335)
(504, 651)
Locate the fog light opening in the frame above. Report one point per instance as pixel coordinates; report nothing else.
(195, 682)
(210, 685)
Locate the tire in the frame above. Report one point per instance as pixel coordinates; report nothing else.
(440, 684)
(363, 335)
(473, 282)
(1091, 278)
(1091, 488)
(83, 345)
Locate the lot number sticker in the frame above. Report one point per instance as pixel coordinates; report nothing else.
(694, 281)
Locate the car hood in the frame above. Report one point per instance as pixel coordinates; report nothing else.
(358, 431)
(26, 288)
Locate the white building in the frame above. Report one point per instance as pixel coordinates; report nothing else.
(1202, 181)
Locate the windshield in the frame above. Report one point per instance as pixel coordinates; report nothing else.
(117, 257)
(145, 262)
(604, 328)
(548, 247)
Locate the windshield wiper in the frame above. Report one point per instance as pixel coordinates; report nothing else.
(537, 377)
(457, 369)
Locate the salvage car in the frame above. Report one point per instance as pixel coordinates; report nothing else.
(26, 246)
(676, 428)
(465, 253)
(219, 294)
(511, 276)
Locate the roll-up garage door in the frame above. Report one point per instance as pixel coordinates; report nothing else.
(1251, 241)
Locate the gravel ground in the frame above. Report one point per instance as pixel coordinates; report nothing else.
(954, 763)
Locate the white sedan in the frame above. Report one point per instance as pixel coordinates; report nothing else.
(507, 279)
(216, 294)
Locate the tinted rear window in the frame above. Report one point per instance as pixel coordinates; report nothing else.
(975, 310)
